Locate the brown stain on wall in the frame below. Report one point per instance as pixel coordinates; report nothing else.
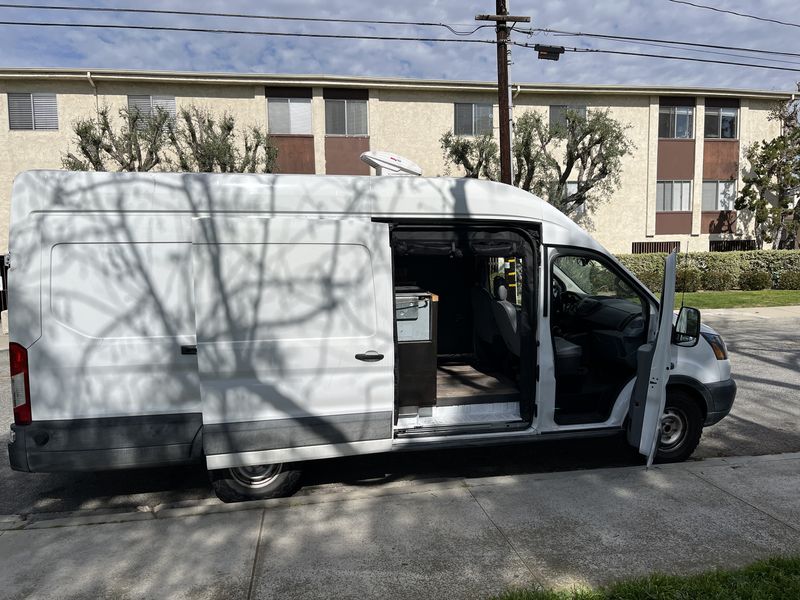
(720, 160)
(675, 160)
(295, 153)
(342, 155)
(673, 222)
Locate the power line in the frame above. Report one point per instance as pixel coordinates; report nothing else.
(609, 36)
(672, 57)
(736, 13)
(245, 32)
(188, 13)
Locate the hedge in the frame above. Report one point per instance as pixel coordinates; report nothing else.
(718, 270)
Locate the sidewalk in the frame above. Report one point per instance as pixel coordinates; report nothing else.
(456, 539)
(756, 312)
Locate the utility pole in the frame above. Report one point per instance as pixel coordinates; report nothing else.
(502, 18)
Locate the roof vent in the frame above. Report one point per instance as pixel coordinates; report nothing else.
(387, 163)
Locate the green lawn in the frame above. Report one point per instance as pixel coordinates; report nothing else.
(774, 578)
(738, 298)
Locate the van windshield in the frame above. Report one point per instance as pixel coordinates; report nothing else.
(589, 277)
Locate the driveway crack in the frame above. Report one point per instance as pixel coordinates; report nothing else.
(506, 538)
(255, 556)
(750, 504)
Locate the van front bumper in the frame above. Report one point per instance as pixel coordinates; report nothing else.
(720, 400)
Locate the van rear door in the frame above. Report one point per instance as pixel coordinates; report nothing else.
(295, 345)
(650, 391)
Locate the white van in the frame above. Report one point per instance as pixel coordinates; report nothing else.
(260, 321)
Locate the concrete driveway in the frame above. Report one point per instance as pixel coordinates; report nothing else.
(765, 352)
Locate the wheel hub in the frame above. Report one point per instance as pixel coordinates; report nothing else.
(673, 428)
(256, 476)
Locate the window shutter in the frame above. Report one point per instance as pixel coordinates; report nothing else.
(356, 117)
(483, 119)
(709, 195)
(727, 195)
(166, 103)
(463, 119)
(140, 103)
(45, 111)
(20, 111)
(300, 115)
(334, 117)
(278, 115)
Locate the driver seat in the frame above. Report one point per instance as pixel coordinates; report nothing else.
(505, 315)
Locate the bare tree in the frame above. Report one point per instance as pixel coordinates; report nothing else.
(195, 141)
(572, 164)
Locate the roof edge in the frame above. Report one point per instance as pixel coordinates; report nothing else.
(212, 78)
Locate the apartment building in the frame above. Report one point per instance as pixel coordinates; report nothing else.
(677, 187)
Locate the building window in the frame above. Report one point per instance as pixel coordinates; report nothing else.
(346, 117)
(572, 188)
(289, 115)
(673, 196)
(32, 111)
(675, 122)
(721, 122)
(473, 119)
(558, 114)
(148, 105)
(718, 195)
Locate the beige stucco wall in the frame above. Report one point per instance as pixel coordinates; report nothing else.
(24, 150)
(409, 121)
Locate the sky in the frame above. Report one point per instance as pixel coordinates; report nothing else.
(73, 46)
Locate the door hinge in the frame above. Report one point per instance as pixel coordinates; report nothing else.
(7, 260)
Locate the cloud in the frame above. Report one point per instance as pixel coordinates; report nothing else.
(131, 49)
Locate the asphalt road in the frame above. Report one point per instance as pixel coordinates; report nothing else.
(765, 353)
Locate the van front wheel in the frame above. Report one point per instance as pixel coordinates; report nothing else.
(255, 482)
(681, 428)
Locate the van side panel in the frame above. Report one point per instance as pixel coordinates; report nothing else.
(117, 305)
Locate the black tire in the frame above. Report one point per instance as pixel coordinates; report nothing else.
(682, 426)
(258, 482)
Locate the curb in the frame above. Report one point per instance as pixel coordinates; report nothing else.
(198, 508)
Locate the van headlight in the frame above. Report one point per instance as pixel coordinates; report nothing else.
(717, 345)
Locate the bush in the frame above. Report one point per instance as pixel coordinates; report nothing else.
(755, 280)
(789, 280)
(652, 279)
(717, 280)
(687, 279)
(775, 262)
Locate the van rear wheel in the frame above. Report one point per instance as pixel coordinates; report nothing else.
(681, 428)
(255, 482)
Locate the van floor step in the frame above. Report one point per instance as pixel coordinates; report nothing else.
(464, 414)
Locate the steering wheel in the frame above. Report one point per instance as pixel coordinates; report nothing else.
(570, 302)
(558, 289)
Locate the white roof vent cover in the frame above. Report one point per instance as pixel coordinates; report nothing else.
(388, 163)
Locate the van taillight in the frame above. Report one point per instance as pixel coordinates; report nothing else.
(20, 384)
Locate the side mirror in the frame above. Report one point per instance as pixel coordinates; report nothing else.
(687, 328)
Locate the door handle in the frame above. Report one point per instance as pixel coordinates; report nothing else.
(370, 356)
(189, 349)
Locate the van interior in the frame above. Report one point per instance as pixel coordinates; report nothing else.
(598, 324)
(464, 332)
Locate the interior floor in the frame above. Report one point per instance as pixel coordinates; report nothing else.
(464, 384)
(466, 395)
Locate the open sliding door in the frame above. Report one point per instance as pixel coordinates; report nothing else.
(294, 338)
